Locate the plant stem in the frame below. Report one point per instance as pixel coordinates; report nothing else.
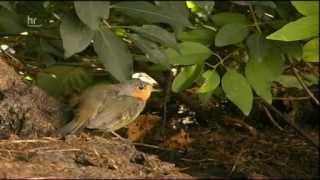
(255, 19)
(305, 87)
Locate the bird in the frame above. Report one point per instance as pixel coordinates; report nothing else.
(109, 107)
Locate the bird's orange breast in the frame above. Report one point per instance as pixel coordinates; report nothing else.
(143, 94)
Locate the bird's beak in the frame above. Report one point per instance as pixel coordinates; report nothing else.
(156, 90)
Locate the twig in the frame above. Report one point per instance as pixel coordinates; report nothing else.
(310, 141)
(25, 141)
(237, 160)
(240, 123)
(166, 100)
(199, 160)
(305, 87)
(255, 19)
(272, 119)
(154, 147)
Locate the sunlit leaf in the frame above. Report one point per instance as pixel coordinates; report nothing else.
(186, 77)
(307, 8)
(303, 28)
(211, 81)
(237, 90)
(311, 51)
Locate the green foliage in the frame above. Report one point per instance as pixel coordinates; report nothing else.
(225, 18)
(211, 81)
(306, 8)
(75, 35)
(200, 35)
(63, 80)
(10, 22)
(303, 28)
(238, 90)
(173, 13)
(265, 65)
(203, 40)
(91, 13)
(152, 51)
(186, 77)
(311, 51)
(290, 81)
(157, 34)
(189, 53)
(113, 53)
(231, 34)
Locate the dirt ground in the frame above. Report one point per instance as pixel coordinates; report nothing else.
(226, 147)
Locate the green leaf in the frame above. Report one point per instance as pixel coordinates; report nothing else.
(231, 34)
(307, 8)
(224, 18)
(289, 81)
(237, 90)
(6, 4)
(260, 74)
(157, 34)
(190, 53)
(114, 54)
(67, 78)
(201, 35)
(177, 9)
(152, 51)
(258, 46)
(293, 49)
(91, 12)
(311, 51)
(10, 22)
(310, 79)
(303, 28)
(257, 76)
(150, 13)
(186, 77)
(75, 35)
(211, 81)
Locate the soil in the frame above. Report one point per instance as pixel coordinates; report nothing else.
(225, 147)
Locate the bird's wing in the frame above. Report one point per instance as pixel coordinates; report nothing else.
(90, 103)
(117, 113)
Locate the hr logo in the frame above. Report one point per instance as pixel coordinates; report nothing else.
(33, 22)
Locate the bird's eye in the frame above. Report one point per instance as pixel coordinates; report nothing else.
(141, 86)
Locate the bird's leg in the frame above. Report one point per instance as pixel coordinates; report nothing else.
(120, 137)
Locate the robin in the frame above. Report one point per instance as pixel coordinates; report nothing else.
(109, 107)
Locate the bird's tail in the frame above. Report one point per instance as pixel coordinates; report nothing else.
(71, 128)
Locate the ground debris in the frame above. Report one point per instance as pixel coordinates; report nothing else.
(80, 157)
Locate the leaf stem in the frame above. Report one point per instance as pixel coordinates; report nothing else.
(221, 60)
(305, 87)
(209, 27)
(124, 27)
(255, 19)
